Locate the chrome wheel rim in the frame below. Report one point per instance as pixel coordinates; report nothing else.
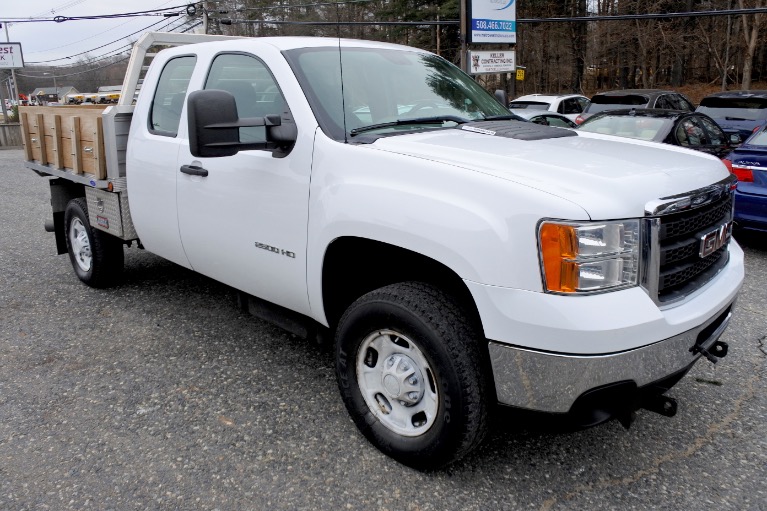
(397, 383)
(81, 244)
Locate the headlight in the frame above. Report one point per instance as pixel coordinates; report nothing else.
(585, 257)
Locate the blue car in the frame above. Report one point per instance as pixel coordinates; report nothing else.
(743, 112)
(749, 164)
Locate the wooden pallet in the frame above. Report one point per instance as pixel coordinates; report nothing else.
(67, 138)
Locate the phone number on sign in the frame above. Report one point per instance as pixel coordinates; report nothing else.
(505, 26)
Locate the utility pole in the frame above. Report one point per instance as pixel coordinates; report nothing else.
(462, 36)
(2, 101)
(13, 71)
(205, 20)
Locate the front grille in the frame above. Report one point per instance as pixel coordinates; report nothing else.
(682, 270)
(682, 224)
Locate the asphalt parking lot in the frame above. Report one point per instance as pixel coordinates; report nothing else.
(160, 394)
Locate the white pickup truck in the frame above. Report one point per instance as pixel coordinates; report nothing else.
(376, 193)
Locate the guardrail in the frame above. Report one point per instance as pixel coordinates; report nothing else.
(10, 135)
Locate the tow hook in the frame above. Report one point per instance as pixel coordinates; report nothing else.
(660, 404)
(657, 403)
(714, 353)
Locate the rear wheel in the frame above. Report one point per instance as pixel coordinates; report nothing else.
(409, 367)
(97, 257)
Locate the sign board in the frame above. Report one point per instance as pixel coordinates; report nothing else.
(493, 21)
(521, 74)
(485, 62)
(10, 56)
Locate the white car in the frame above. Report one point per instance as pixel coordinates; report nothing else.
(569, 105)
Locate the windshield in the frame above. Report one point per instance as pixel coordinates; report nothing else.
(747, 109)
(643, 128)
(386, 87)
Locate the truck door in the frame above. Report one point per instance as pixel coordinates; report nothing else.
(152, 157)
(244, 223)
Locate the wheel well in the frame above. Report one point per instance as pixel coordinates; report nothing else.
(62, 191)
(355, 266)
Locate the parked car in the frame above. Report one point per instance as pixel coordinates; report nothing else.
(636, 98)
(688, 129)
(749, 164)
(546, 118)
(569, 105)
(743, 111)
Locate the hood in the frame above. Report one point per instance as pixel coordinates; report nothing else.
(607, 176)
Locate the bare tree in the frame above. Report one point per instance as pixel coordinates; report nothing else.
(751, 29)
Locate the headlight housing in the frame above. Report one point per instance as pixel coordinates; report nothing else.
(588, 257)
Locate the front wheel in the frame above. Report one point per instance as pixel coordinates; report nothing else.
(97, 257)
(409, 367)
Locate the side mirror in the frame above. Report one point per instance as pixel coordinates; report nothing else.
(214, 126)
(502, 97)
(206, 108)
(735, 139)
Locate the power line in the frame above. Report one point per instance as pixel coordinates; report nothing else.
(98, 47)
(197, 24)
(91, 37)
(61, 19)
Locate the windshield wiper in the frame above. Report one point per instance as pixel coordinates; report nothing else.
(403, 122)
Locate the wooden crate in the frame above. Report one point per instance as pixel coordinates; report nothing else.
(65, 137)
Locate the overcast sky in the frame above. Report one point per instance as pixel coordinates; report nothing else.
(47, 42)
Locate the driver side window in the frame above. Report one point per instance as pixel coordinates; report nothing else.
(255, 90)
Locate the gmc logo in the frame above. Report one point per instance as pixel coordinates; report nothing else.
(714, 240)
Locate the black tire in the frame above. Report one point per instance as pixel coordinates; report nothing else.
(383, 327)
(97, 257)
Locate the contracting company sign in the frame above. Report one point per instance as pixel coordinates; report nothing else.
(485, 62)
(493, 21)
(10, 56)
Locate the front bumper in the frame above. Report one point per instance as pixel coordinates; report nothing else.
(552, 382)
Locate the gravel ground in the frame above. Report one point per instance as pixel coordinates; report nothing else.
(160, 394)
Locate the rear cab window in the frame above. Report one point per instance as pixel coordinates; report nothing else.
(168, 101)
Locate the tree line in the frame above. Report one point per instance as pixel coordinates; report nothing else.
(568, 56)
